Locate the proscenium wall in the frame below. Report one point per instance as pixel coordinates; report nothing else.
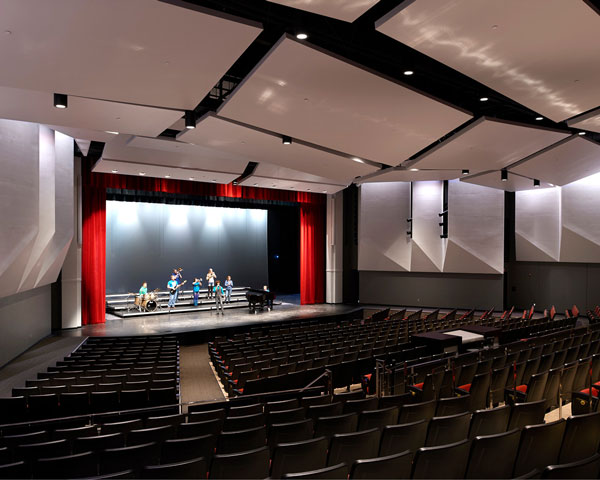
(145, 241)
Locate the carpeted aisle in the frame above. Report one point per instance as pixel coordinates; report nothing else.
(198, 382)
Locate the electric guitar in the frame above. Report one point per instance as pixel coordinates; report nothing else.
(173, 290)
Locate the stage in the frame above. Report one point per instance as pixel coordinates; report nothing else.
(198, 326)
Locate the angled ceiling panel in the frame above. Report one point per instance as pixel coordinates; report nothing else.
(487, 145)
(407, 175)
(300, 91)
(84, 113)
(138, 51)
(514, 183)
(254, 145)
(587, 122)
(567, 162)
(537, 52)
(347, 10)
(279, 184)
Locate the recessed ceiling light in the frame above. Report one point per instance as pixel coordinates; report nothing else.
(214, 181)
(356, 159)
(114, 171)
(414, 169)
(408, 72)
(286, 140)
(483, 99)
(465, 171)
(324, 191)
(308, 189)
(256, 184)
(167, 176)
(142, 173)
(539, 118)
(274, 185)
(7, 32)
(191, 178)
(111, 132)
(581, 133)
(301, 36)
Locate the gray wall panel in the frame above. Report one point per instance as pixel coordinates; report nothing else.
(431, 289)
(145, 241)
(25, 318)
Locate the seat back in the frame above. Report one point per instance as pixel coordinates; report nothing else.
(114, 460)
(452, 405)
(479, 391)
(335, 472)
(299, 456)
(328, 426)
(586, 468)
(539, 446)
(417, 411)
(489, 422)
(446, 430)
(529, 413)
(581, 439)
(79, 465)
(194, 468)
(551, 388)
(290, 432)
(429, 461)
(399, 438)
(378, 418)
(181, 449)
(391, 466)
(536, 386)
(246, 464)
(491, 455)
(232, 442)
(348, 447)
(364, 404)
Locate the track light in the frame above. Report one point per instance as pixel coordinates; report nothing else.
(536, 183)
(465, 171)
(286, 140)
(190, 119)
(60, 100)
(504, 175)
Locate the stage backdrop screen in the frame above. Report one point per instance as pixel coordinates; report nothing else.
(145, 241)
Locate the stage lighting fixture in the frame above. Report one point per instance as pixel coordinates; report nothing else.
(114, 171)
(504, 175)
(408, 72)
(142, 173)
(286, 140)
(235, 182)
(60, 100)
(536, 183)
(190, 119)
(539, 118)
(465, 171)
(301, 36)
(483, 99)
(167, 176)
(581, 133)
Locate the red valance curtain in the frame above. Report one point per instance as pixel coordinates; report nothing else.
(93, 262)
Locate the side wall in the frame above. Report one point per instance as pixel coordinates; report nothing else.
(25, 318)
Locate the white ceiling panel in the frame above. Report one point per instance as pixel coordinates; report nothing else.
(170, 153)
(487, 145)
(307, 94)
(347, 10)
(407, 175)
(84, 113)
(138, 51)
(515, 183)
(220, 134)
(571, 160)
(256, 181)
(275, 171)
(84, 134)
(587, 122)
(541, 53)
(159, 171)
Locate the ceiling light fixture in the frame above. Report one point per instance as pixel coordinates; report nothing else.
(483, 99)
(536, 183)
(256, 184)
(111, 132)
(308, 189)
(114, 171)
(301, 36)
(581, 133)
(235, 182)
(286, 140)
(190, 119)
(539, 118)
(408, 73)
(167, 176)
(414, 169)
(142, 173)
(356, 159)
(504, 175)
(465, 171)
(191, 178)
(214, 181)
(324, 191)
(61, 100)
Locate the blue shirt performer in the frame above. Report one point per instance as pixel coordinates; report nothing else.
(196, 288)
(172, 293)
(228, 289)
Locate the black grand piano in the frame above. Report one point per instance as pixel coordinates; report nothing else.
(259, 299)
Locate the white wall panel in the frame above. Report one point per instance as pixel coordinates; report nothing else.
(428, 248)
(476, 229)
(382, 240)
(36, 195)
(537, 225)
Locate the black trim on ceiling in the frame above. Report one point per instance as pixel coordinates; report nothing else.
(126, 195)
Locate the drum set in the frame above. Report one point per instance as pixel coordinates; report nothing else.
(145, 303)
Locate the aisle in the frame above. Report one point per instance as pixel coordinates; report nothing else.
(198, 382)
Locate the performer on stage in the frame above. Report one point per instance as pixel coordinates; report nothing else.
(197, 284)
(178, 279)
(210, 278)
(228, 289)
(143, 289)
(172, 286)
(219, 294)
(269, 302)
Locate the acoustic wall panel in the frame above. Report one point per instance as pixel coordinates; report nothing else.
(36, 192)
(383, 243)
(475, 242)
(559, 224)
(476, 229)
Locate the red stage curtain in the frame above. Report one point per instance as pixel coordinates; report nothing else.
(312, 254)
(93, 262)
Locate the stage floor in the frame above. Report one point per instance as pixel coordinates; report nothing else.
(201, 321)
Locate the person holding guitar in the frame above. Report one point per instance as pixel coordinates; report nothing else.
(173, 287)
